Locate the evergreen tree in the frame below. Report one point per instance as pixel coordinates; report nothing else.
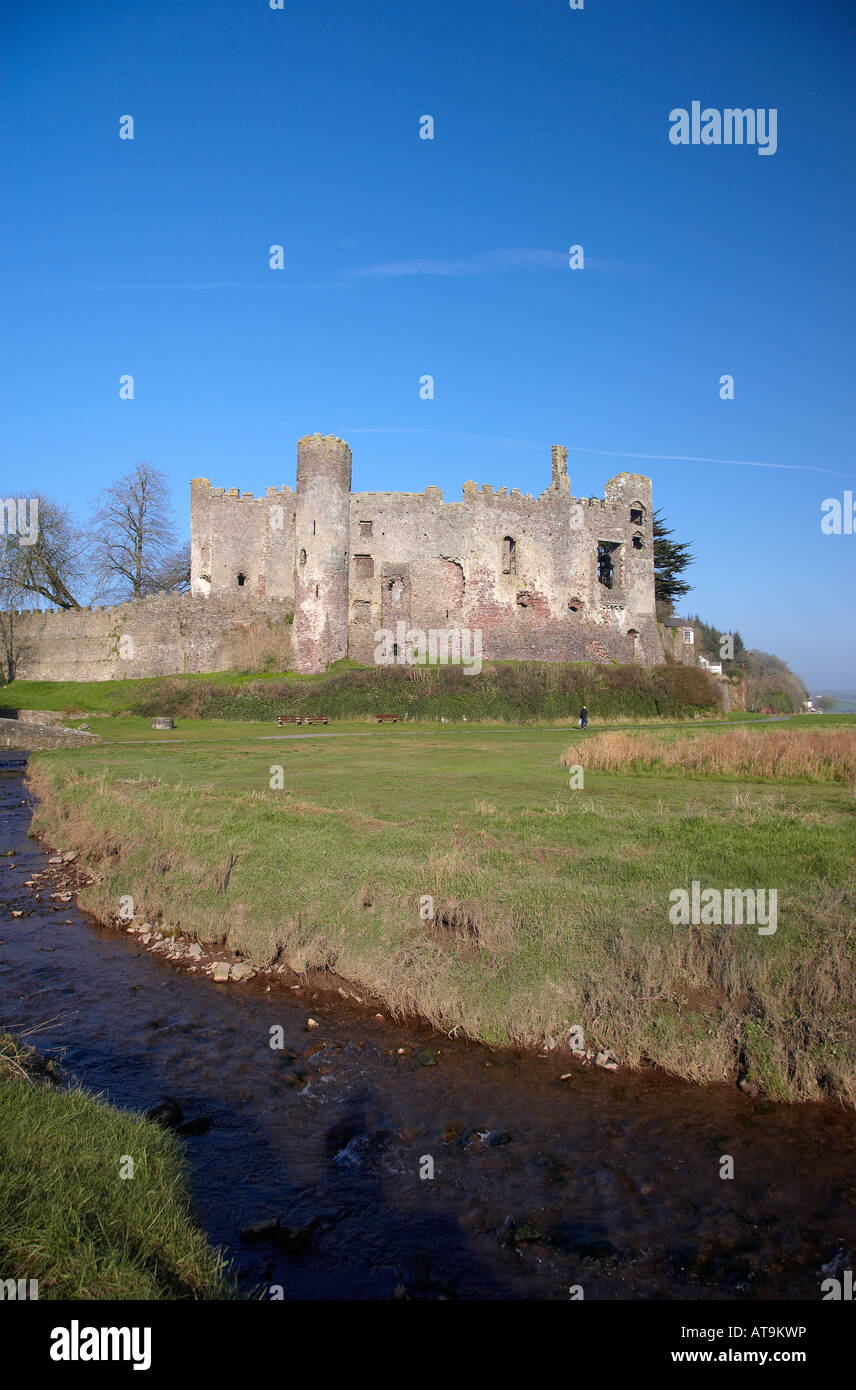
(671, 558)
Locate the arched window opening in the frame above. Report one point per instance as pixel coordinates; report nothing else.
(242, 579)
(509, 555)
(638, 543)
(637, 514)
(607, 558)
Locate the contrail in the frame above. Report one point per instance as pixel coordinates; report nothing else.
(691, 458)
(607, 453)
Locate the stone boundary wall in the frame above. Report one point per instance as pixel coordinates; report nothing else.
(34, 716)
(163, 635)
(16, 733)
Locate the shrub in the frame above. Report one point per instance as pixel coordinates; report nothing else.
(517, 691)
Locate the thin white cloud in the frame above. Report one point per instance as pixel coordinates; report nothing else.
(481, 263)
(490, 263)
(214, 285)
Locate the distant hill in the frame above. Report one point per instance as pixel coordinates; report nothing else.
(769, 681)
(845, 700)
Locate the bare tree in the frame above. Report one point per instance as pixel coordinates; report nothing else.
(133, 532)
(11, 597)
(50, 566)
(173, 574)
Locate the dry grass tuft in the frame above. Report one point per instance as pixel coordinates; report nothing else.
(821, 755)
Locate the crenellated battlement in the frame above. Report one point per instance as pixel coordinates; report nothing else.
(201, 486)
(490, 495)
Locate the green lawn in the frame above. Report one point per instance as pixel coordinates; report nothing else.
(109, 697)
(551, 904)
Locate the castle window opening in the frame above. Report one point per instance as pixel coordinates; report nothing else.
(524, 599)
(316, 590)
(634, 640)
(638, 543)
(365, 530)
(242, 579)
(637, 514)
(364, 567)
(509, 555)
(607, 554)
(574, 605)
(303, 557)
(313, 528)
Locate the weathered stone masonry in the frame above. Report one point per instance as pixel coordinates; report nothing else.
(164, 635)
(552, 578)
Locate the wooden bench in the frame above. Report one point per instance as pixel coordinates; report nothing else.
(288, 719)
(387, 719)
(315, 719)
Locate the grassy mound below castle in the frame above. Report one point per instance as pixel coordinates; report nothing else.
(512, 692)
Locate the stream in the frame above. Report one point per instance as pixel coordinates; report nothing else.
(607, 1181)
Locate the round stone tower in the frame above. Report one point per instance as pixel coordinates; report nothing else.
(321, 545)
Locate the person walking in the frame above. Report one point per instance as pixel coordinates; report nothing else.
(583, 717)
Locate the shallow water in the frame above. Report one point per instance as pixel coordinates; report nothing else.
(609, 1181)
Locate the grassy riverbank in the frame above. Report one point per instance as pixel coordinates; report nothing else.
(68, 1219)
(550, 904)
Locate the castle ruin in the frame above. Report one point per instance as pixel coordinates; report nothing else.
(552, 578)
(303, 577)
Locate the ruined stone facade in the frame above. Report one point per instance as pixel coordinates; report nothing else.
(549, 578)
(300, 578)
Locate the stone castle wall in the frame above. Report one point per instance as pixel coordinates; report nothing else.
(167, 634)
(234, 535)
(436, 564)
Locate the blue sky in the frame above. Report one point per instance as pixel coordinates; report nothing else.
(448, 257)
